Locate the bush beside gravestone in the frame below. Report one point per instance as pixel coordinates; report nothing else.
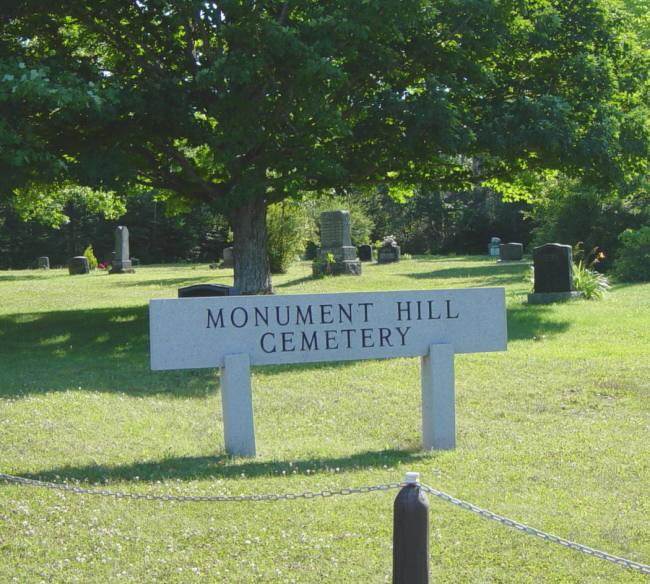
(633, 259)
(90, 256)
(287, 225)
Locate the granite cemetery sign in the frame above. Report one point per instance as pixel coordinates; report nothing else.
(235, 332)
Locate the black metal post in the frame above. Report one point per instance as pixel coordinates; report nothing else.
(411, 534)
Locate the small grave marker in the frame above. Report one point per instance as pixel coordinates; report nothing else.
(235, 332)
(203, 290)
(511, 252)
(228, 257)
(44, 263)
(389, 251)
(493, 246)
(365, 253)
(78, 265)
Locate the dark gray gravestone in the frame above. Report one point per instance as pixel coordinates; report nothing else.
(336, 242)
(365, 253)
(78, 265)
(388, 254)
(553, 265)
(202, 290)
(44, 263)
(511, 252)
(228, 258)
(121, 263)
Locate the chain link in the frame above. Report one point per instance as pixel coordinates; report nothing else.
(198, 498)
(643, 568)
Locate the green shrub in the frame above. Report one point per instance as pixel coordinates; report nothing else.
(325, 266)
(569, 212)
(90, 255)
(633, 259)
(287, 225)
(591, 283)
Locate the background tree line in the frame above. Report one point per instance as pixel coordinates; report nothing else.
(442, 122)
(424, 222)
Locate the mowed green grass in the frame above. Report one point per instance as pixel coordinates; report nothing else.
(553, 432)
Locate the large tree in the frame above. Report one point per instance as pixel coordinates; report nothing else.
(241, 103)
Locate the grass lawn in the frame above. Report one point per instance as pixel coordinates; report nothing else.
(553, 432)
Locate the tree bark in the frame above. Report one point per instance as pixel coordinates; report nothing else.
(252, 270)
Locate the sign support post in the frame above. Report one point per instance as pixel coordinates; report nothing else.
(237, 405)
(438, 398)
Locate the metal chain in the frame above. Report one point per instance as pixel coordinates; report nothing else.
(643, 568)
(198, 498)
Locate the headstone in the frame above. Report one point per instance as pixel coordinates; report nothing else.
(510, 252)
(553, 267)
(135, 261)
(336, 244)
(365, 253)
(493, 246)
(203, 290)
(389, 251)
(228, 258)
(121, 263)
(238, 332)
(44, 263)
(78, 265)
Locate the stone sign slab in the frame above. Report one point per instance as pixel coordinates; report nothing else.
(192, 333)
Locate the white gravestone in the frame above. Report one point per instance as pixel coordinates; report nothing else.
(236, 332)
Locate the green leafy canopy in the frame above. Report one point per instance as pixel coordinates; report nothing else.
(223, 102)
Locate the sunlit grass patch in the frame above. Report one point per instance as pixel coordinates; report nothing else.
(552, 432)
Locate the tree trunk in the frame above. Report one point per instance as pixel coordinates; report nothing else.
(252, 270)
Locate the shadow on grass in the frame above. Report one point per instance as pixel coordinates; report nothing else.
(24, 278)
(107, 350)
(125, 283)
(98, 350)
(526, 322)
(188, 468)
(450, 259)
(490, 275)
(295, 282)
